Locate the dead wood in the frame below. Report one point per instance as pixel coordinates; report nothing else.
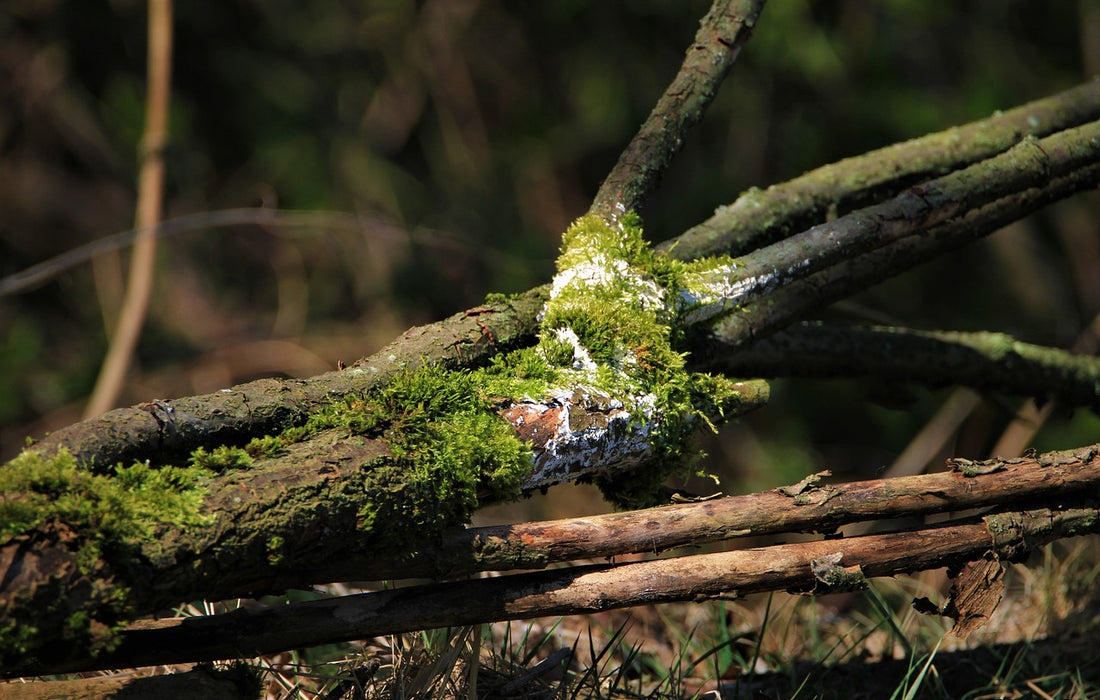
(822, 566)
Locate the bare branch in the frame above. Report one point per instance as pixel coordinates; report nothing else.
(814, 507)
(761, 217)
(1028, 165)
(794, 301)
(989, 361)
(722, 33)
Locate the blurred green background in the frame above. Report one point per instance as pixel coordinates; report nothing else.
(466, 135)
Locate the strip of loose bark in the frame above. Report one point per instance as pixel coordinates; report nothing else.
(816, 567)
(983, 360)
(780, 307)
(810, 507)
(761, 217)
(1027, 165)
(722, 33)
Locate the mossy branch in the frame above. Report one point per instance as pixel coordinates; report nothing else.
(983, 360)
(761, 217)
(173, 428)
(821, 566)
(794, 301)
(722, 32)
(1026, 166)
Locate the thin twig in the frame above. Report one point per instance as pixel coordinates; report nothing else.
(722, 33)
(150, 201)
(370, 226)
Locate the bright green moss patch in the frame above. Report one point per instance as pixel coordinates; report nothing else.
(221, 459)
(616, 311)
(127, 505)
(96, 517)
(447, 446)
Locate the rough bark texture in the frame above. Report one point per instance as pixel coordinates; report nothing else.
(982, 360)
(811, 506)
(824, 566)
(202, 683)
(761, 217)
(170, 429)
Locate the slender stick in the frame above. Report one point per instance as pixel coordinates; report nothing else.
(150, 199)
(722, 33)
(802, 508)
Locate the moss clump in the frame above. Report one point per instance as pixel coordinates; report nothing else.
(125, 506)
(221, 459)
(98, 518)
(448, 447)
(616, 313)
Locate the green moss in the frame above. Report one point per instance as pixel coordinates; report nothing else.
(275, 546)
(222, 459)
(625, 303)
(100, 518)
(448, 446)
(127, 505)
(262, 447)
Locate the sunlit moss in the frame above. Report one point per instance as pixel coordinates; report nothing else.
(105, 515)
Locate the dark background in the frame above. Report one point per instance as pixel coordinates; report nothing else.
(466, 136)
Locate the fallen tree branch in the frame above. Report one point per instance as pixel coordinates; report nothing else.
(1028, 165)
(822, 566)
(761, 217)
(794, 301)
(200, 683)
(722, 32)
(983, 360)
(172, 428)
(808, 507)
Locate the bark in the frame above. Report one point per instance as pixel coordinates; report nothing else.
(761, 217)
(170, 429)
(823, 566)
(794, 301)
(1029, 164)
(983, 360)
(722, 33)
(808, 507)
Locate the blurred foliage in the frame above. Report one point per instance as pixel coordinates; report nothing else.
(467, 134)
